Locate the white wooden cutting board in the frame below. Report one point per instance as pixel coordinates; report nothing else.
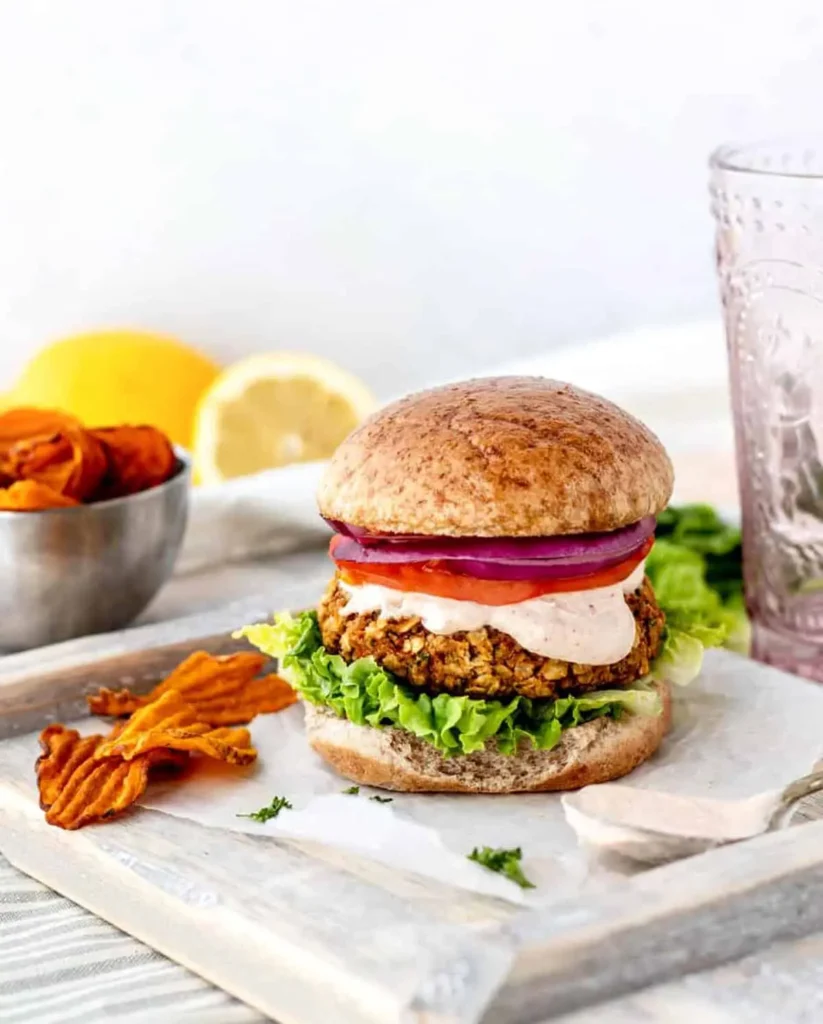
(309, 936)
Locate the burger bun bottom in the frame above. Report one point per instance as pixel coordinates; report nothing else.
(394, 759)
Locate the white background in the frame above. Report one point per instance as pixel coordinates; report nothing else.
(384, 182)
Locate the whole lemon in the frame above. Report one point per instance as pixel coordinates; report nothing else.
(120, 376)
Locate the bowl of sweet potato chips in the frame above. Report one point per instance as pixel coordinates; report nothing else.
(91, 523)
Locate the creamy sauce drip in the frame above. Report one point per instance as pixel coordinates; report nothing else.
(588, 627)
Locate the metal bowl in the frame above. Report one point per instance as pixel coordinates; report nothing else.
(67, 572)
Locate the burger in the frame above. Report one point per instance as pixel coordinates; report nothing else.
(489, 627)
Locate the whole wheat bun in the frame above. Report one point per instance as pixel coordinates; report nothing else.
(504, 456)
(598, 751)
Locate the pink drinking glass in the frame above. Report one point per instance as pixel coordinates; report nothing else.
(767, 200)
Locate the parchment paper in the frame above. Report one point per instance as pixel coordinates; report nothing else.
(740, 729)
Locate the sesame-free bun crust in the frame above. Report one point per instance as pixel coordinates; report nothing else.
(498, 457)
(389, 758)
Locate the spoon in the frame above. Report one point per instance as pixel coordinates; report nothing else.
(651, 827)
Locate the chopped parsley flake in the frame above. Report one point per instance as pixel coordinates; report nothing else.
(504, 862)
(269, 812)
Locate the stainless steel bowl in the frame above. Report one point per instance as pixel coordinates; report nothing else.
(66, 572)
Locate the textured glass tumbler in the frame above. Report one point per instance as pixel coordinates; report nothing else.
(768, 203)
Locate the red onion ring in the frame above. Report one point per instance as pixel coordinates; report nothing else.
(572, 551)
(482, 570)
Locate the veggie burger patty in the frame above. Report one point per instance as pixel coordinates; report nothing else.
(484, 662)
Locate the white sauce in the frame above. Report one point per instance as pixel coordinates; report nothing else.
(615, 804)
(589, 627)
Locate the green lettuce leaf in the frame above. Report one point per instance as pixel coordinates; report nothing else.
(696, 570)
(366, 694)
(680, 659)
(699, 529)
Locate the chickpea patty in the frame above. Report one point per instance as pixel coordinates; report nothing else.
(484, 662)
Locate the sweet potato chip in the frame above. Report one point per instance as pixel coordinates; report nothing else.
(32, 496)
(263, 696)
(63, 752)
(232, 745)
(170, 711)
(114, 703)
(170, 722)
(25, 422)
(138, 458)
(99, 789)
(70, 461)
(222, 689)
(205, 676)
(54, 449)
(76, 787)
(85, 779)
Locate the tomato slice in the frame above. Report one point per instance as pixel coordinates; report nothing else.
(432, 578)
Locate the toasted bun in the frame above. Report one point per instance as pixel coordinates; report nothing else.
(598, 751)
(504, 456)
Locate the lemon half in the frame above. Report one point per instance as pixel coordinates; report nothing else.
(274, 409)
(120, 376)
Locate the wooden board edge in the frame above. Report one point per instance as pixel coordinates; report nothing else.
(87, 876)
(693, 915)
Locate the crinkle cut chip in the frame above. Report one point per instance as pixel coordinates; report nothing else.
(170, 722)
(222, 690)
(138, 457)
(77, 788)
